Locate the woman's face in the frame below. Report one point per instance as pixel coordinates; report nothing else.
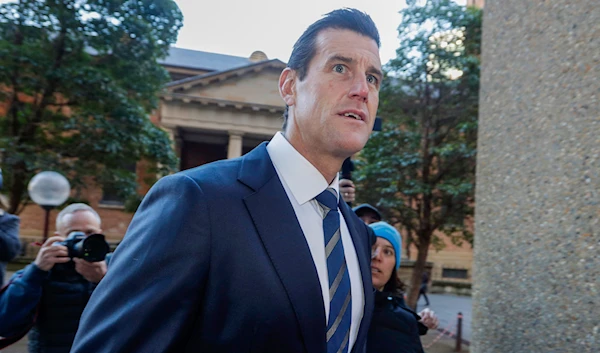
(383, 261)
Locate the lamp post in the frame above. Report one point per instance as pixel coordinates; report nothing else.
(49, 190)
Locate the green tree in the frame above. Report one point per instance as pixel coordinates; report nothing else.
(78, 80)
(420, 169)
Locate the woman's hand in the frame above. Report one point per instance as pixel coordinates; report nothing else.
(429, 319)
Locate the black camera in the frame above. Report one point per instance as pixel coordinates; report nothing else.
(91, 248)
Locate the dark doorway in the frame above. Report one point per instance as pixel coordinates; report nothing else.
(194, 154)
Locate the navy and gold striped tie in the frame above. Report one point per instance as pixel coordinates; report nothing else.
(340, 300)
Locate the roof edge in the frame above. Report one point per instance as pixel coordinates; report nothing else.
(195, 80)
(223, 103)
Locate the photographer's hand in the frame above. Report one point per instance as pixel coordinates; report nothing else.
(92, 271)
(50, 255)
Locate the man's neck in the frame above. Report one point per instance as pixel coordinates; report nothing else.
(327, 165)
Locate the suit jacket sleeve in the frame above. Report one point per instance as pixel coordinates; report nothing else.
(151, 293)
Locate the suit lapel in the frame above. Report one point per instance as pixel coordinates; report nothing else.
(285, 244)
(363, 251)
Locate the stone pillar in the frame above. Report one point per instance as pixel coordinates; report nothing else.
(234, 149)
(176, 141)
(537, 243)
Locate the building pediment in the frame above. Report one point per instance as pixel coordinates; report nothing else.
(254, 84)
(222, 103)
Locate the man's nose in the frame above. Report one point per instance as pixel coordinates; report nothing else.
(360, 88)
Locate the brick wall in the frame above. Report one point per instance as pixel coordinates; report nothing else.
(114, 220)
(450, 257)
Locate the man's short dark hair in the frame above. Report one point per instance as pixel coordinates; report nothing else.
(305, 47)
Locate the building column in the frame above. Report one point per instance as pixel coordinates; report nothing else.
(175, 138)
(234, 149)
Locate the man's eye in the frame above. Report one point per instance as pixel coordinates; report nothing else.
(339, 68)
(372, 79)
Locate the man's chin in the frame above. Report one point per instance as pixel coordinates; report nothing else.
(351, 147)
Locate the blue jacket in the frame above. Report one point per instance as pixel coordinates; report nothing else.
(19, 301)
(9, 240)
(54, 300)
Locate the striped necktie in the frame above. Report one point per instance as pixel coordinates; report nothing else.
(340, 300)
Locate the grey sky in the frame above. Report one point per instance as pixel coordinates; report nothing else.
(239, 27)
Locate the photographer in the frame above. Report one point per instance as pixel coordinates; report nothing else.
(50, 294)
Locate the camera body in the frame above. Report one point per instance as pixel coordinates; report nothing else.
(91, 248)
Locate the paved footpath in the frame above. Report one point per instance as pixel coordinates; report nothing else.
(447, 307)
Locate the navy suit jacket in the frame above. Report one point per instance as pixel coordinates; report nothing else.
(215, 261)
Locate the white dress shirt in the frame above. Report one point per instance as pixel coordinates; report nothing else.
(302, 183)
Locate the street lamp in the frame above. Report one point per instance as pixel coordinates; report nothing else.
(49, 190)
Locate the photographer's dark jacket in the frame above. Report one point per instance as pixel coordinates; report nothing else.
(54, 300)
(395, 328)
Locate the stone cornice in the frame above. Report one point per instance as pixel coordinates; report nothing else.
(213, 77)
(221, 103)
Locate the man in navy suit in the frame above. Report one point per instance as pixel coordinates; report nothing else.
(259, 253)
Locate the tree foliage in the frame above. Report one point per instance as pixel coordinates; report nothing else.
(420, 169)
(78, 80)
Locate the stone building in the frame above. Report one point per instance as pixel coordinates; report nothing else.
(219, 106)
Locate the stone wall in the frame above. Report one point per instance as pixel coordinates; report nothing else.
(537, 269)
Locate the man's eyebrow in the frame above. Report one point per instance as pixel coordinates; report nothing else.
(344, 59)
(375, 71)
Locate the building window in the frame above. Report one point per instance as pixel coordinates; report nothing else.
(110, 196)
(110, 192)
(454, 273)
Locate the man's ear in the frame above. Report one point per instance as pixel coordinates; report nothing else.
(287, 86)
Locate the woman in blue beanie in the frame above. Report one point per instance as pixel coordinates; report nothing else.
(395, 328)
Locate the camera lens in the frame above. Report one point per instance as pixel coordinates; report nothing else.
(93, 248)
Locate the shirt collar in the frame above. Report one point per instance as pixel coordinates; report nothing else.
(302, 178)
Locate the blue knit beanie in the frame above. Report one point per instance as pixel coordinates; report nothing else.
(389, 233)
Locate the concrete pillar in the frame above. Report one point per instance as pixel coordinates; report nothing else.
(537, 243)
(234, 149)
(176, 141)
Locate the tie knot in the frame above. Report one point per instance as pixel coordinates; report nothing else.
(328, 198)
